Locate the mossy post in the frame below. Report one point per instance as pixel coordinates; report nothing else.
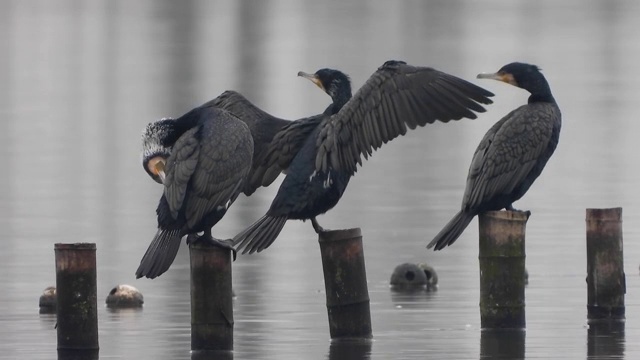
(605, 271)
(77, 308)
(345, 282)
(211, 298)
(502, 272)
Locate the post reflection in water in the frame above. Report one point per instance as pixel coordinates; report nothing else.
(350, 349)
(502, 344)
(211, 355)
(605, 340)
(78, 354)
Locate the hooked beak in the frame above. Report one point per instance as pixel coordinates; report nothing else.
(500, 76)
(313, 77)
(159, 168)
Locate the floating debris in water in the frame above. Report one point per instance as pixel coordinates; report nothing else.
(48, 300)
(124, 296)
(432, 276)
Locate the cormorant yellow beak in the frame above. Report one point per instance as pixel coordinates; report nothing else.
(500, 76)
(313, 77)
(156, 166)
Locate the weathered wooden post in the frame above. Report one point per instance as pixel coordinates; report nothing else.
(502, 269)
(345, 282)
(211, 299)
(605, 271)
(77, 307)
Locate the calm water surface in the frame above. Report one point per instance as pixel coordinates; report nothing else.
(80, 79)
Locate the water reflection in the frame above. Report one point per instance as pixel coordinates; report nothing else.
(605, 340)
(350, 349)
(78, 354)
(502, 344)
(412, 298)
(211, 355)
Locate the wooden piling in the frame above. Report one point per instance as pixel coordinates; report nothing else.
(77, 308)
(345, 282)
(502, 269)
(605, 271)
(211, 299)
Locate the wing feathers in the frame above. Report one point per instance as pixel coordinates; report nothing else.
(396, 97)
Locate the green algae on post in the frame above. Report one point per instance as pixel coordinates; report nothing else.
(502, 269)
(605, 266)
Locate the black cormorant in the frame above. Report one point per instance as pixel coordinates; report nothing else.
(396, 97)
(202, 158)
(512, 153)
(161, 139)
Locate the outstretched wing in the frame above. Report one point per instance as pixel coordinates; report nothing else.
(507, 154)
(395, 97)
(263, 127)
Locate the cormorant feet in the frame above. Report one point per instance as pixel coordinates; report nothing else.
(319, 229)
(211, 241)
(511, 208)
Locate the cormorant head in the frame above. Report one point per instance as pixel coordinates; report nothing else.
(155, 150)
(525, 76)
(335, 83)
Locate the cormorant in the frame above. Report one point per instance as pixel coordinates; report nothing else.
(512, 154)
(202, 159)
(395, 97)
(164, 137)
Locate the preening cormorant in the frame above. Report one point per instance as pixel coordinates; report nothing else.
(202, 158)
(395, 97)
(512, 154)
(164, 137)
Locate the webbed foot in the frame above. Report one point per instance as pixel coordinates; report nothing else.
(207, 239)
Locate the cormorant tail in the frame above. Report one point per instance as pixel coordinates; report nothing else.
(260, 235)
(160, 254)
(452, 230)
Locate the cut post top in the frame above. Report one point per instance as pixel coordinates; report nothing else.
(610, 214)
(338, 235)
(75, 246)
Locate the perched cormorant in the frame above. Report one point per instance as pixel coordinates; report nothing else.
(395, 97)
(202, 158)
(164, 137)
(511, 154)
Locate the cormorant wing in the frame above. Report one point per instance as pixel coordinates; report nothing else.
(213, 166)
(284, 147)
(263, 127)
(395, 97)
(506, 155)
(180, 166)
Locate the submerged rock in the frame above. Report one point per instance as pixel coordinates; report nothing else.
(124, 296)
(408, 276)
(432, 275)
(48, 300)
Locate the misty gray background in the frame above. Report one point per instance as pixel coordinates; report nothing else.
(79, 80)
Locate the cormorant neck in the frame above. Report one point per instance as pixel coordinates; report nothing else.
(539, 98)
(340, 100)
(540, 90)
